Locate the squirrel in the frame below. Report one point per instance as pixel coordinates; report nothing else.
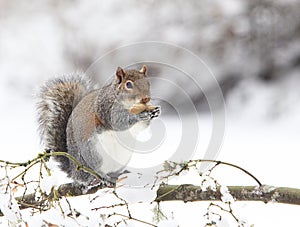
(82, 121)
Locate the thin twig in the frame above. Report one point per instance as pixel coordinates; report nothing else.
(134, 219)
(228, 164)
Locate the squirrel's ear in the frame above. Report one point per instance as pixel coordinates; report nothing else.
(120, 74)
(143, 69)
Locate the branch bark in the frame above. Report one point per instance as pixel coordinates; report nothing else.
(186, 193)
(264, 193)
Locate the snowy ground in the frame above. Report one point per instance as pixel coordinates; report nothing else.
(38, 41)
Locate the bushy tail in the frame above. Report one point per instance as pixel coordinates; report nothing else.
(57, 99)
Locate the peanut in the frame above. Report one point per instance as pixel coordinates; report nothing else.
(140, 107)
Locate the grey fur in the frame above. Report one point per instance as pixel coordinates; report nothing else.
(69, 110)
(57, 99)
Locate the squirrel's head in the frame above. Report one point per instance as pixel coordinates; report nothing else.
(132, 86)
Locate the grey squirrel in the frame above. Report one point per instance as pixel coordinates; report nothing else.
(75, 118)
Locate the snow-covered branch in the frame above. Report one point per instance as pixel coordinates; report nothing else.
(187, 193)
(265, 193)
(206, 189)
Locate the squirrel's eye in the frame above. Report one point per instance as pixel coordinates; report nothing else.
(129, 85)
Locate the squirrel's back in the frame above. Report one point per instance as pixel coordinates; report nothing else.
(57, 98)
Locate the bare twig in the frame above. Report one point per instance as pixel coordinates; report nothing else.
(186, 193)
(132, 218)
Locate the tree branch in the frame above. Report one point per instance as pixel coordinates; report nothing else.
(186, 193)
(265, 193)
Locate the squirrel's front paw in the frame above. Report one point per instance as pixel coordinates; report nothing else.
(155, 113)
(148, 115)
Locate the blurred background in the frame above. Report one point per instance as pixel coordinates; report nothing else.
(252, 47)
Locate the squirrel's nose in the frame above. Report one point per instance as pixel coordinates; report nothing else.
(145, 99)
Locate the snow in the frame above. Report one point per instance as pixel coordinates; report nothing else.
(262, 124)
(226, 196)
(52, 179)
(167, 223)
(208, 183)
(9, 205)
(130, 191)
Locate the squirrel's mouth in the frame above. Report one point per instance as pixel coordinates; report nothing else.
(145, 100)
(129, 102)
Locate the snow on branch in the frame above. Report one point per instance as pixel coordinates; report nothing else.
(41, 198)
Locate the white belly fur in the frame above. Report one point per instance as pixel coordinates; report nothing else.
(116, 148)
